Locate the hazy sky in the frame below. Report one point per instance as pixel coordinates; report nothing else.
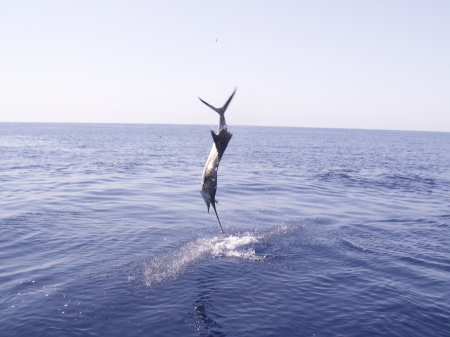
(341, 64)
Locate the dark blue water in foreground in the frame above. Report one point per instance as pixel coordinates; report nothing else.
(103, 232)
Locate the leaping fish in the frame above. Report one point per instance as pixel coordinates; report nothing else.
(221, 139)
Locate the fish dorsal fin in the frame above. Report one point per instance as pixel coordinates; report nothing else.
(221, 140)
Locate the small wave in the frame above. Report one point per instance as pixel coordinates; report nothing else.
(353, 246)
(410, 183)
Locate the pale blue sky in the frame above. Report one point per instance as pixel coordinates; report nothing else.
(340, 64)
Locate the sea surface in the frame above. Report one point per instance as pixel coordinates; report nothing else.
(328, 232)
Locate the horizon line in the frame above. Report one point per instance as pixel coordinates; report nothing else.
(250, 125)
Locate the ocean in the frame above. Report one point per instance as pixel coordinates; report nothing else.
(328, 232)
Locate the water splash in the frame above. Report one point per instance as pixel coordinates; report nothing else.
(170, 265)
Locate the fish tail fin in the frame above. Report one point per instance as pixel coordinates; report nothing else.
(220, 111)
(214, 206)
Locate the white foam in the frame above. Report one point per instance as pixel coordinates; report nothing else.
(230, 246)
(170, 265)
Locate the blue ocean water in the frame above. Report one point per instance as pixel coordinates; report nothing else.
(328, 232)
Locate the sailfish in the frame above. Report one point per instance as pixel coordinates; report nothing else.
(221, 140)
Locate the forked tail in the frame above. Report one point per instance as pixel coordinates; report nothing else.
(221, 111)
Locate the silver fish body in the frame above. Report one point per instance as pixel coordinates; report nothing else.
(221, 140)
